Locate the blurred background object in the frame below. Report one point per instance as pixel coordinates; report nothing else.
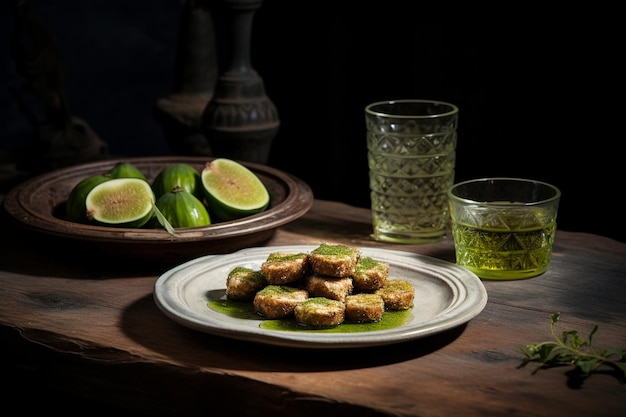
(194, 78)
(57, 138)
(241, 121)
(119, 58)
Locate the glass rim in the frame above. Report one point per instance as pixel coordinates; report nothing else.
(453, 109)
(555, 190)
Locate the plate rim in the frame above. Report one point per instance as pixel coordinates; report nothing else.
(470, 301)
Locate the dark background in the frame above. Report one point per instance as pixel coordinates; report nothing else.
(535, 101)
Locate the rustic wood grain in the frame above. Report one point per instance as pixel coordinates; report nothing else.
(90, 327)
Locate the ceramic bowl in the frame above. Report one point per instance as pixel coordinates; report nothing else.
(38, 204)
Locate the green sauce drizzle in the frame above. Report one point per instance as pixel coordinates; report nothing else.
(245, 310)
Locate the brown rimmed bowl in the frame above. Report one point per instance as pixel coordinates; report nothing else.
(38, 204)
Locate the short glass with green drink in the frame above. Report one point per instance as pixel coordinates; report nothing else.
(504, 228)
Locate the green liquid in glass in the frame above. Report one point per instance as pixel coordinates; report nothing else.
(504, 254)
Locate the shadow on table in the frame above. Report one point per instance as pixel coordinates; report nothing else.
(144, 323)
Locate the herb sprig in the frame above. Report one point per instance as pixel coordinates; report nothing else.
(570, 349)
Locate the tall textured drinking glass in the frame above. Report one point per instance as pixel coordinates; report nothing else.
(411, 157)
(503, 228)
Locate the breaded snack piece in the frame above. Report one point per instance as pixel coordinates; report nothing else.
(284, 268)
(329, 287)
(364, 307)
(334, 260)
(397, 294)
(278, 301)
(320, 312)
(370, 274)
(243, 283)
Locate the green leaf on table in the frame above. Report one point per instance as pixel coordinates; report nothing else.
(572, 350)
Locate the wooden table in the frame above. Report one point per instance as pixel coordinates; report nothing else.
(91, 329)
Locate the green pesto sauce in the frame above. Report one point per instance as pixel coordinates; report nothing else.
(286, 256)
(334, 250)
(238, 309)
(245, 310)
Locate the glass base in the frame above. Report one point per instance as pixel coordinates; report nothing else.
(505, 275)
(407, 238)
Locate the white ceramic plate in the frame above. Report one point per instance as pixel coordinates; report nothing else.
(446, 296)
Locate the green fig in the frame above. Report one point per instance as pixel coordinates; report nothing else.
(183, 209)
(126, 170)
(232, 190)
(75, 208)
(121, 202)
(178, 175)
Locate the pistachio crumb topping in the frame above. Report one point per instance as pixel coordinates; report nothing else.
(321, 301)
(240, 269)
(279, 256)
(279, 289)
(367, 263)
(335, 250)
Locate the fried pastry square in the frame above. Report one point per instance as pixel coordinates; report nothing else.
(243, 283)
(364, 307)
(320, 312)
(278, 301)
(329, 287)
(370, 274)
(334, 260)
(284, 268)
(397, 294)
